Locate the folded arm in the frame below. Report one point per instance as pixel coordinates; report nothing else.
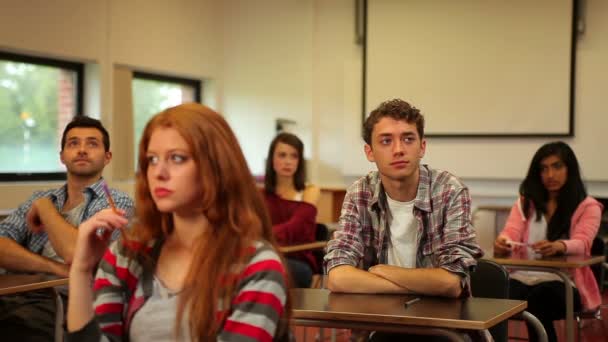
(428, 281)
(349, 279)
(453, 252)
(15, 257)
(62, 234)
(345, 253)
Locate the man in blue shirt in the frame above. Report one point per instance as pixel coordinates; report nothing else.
(40, 235)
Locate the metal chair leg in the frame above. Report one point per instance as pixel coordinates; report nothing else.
(59, 317)
(538, 326)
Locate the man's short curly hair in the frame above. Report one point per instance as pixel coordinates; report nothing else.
(396, 109)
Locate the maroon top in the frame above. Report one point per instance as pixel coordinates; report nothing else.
(293, 223)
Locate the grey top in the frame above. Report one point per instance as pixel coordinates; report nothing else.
(155, 321)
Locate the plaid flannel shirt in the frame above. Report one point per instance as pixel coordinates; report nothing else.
(14, 226)
(442, 207)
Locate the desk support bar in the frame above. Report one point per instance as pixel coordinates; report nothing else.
(452, 335)
(569, 294)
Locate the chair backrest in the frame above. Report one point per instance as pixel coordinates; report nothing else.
(597, 246)
(491, 280)
(489, 222)
(321, 234)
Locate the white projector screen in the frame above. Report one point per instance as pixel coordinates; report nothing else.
(474, 67)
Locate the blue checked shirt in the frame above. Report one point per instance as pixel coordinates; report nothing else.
(442, 208)
(14, 226)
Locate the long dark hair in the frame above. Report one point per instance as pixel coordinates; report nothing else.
(299, 178)
(570, 195)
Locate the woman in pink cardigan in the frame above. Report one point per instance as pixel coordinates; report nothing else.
(553, 216)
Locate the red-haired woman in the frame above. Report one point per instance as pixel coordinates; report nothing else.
(292, 203)
(199, 263)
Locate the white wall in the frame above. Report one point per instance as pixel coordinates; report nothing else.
(471, 64)
(335, 95)
(337, 67)
(267, 71)
(294, 59)
(179, 38)
(591, 123)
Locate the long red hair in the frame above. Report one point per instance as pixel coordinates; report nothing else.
(230, 201)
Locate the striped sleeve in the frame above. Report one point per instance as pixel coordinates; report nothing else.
(108, 289)
(259, 303)
(108, 303)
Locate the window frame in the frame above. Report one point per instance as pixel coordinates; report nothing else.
(196, 84)
(78, 69)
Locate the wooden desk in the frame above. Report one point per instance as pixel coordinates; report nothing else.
(531, 262)
(429, 315)
(568, 261)
(16, 283)
(303, 247)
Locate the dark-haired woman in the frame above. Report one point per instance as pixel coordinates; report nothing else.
(292, 204)
(553, 216)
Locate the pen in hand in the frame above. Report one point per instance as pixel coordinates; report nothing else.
(411, 301)
(106, 190)
(102, 231)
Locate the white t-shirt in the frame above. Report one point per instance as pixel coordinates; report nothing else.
(404, 234)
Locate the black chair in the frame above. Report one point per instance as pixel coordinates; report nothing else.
(491, 280)
(598, 248)
(321, 234)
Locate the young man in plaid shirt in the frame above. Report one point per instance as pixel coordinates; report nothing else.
(406, 227)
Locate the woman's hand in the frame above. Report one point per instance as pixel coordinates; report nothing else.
(548, 248)
(501, 245)
(90, 246)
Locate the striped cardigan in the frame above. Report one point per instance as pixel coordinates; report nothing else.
(123, 284)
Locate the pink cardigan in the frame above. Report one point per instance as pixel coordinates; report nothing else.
(583, 229)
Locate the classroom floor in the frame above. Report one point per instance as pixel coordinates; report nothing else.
(593, 330)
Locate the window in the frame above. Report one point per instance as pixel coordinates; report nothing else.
(154, 93)
(38, 97)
